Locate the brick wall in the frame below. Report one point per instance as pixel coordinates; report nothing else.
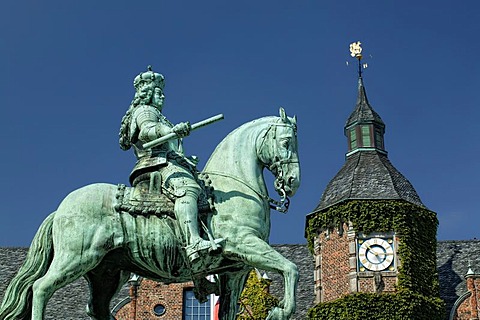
(366, 285)
(148, 295)
(336, 273)
(385, 284)
(469, 307)
(317, 273)
(464, 311)
(333, 264)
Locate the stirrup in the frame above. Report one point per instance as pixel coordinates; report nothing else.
(193, 250)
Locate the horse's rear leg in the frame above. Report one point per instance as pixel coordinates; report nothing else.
(63, 270)
(104, 284)
(260, 255)
(231, 286)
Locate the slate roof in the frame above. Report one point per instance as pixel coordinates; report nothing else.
(69, 302)
(452, 263)
(363, 112)
(368, 175)
(453, 258)
(300, 255)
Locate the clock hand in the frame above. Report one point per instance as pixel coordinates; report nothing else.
(383, 253)
(375, 253)
(371, 250)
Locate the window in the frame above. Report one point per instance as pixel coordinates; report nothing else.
(159, 309)
(366, 141)
(193, 309)
(378, 138)
(353, 139)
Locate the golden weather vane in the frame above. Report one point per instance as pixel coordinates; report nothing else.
(356, 52)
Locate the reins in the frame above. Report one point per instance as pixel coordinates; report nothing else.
(283, 204)
(280, 206)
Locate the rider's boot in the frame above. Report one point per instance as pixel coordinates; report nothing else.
(187, 211)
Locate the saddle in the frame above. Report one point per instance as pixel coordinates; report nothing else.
(149, 197)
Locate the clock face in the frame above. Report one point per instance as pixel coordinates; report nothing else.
(376, 254)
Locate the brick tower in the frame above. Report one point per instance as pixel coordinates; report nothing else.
(373, 239)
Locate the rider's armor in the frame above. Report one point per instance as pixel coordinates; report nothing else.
(147, 124)
(144, 128)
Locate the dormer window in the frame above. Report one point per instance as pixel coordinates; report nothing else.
(353, 138)
(364, 129)
(366, 137)
(379, 138)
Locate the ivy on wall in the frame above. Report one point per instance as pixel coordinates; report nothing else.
(255, 300)
(402, 305)
(416, 228)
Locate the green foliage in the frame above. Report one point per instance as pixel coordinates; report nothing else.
(403, 305)
(415, 226)
(255, 301)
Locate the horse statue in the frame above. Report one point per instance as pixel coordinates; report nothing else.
(87, 236)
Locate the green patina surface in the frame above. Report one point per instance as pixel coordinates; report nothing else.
(88, 236)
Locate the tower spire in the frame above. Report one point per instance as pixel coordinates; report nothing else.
(364, 128)
(362, 94)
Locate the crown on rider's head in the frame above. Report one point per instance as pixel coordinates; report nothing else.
(149, 76)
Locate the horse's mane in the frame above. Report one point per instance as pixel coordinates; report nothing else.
(258, 124)
(249, 130)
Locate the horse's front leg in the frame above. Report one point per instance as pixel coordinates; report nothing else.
(259, 254)
(231, 286)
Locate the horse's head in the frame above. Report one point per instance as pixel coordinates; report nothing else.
(278, 151)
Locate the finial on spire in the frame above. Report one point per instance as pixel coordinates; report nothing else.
(149, 68)
(470, 270)
(356, 52)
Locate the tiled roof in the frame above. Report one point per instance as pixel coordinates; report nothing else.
(368, 175)
(452, 263)
(298, 254)
(453, 258)
(67, 303)
(363, 112)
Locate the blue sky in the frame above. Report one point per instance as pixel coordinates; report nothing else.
(66, 80)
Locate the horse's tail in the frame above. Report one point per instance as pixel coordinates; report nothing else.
(17, 300)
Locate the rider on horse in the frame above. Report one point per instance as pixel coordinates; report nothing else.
(143, 123)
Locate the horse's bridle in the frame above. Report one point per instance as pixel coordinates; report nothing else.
(281, 206)
(276, 167)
